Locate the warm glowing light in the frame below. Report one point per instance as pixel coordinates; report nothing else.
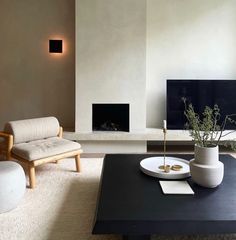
(64, 46)
(55, 46)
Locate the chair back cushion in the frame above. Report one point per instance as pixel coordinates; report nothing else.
(32, 129)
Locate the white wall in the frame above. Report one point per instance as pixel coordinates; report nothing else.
(110, 58)
(187, 39)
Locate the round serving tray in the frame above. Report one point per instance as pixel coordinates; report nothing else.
(150, 166)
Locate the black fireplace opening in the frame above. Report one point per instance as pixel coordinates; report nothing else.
(110, 117)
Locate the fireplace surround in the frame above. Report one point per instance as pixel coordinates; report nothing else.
(111, 68)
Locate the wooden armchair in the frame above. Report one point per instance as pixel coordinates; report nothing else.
(37, 141)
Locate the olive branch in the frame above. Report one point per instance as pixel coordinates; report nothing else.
(205, 131)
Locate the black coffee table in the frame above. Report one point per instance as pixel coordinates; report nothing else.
(132, 204)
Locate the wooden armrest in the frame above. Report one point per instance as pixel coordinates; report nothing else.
(5, 135)
(8, 143)
(60, 132)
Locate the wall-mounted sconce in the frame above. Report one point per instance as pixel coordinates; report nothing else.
(55, 46)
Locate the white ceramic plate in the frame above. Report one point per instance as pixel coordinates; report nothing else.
(150, 166)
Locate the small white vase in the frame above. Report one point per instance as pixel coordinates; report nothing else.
(206, 169)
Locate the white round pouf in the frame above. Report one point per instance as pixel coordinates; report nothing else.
(12, 185)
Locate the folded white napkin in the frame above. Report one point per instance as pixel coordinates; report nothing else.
(176, 187)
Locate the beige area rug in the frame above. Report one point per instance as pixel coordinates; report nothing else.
(62, 206)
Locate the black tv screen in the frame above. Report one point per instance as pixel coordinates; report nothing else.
(200, 93)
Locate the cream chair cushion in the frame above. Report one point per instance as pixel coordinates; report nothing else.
(32, 129)
(44, 148)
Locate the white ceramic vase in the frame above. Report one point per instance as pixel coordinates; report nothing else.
(206, 169)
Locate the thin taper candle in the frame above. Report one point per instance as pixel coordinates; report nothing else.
(164, 124)
(164, 131)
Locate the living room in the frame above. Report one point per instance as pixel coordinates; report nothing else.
(114, 52)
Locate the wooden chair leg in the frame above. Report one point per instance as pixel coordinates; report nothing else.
(77, 163)
(8, 155)
(31, 176)
(9, 147)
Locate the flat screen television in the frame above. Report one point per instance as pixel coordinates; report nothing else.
(200, 93)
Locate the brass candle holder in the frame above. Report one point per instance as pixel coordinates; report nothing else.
(166, 167)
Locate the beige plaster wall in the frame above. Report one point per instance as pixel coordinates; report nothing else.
(34, 83)
(110, 58)
(187, 39)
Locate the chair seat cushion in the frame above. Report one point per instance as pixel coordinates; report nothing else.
(44, 148)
